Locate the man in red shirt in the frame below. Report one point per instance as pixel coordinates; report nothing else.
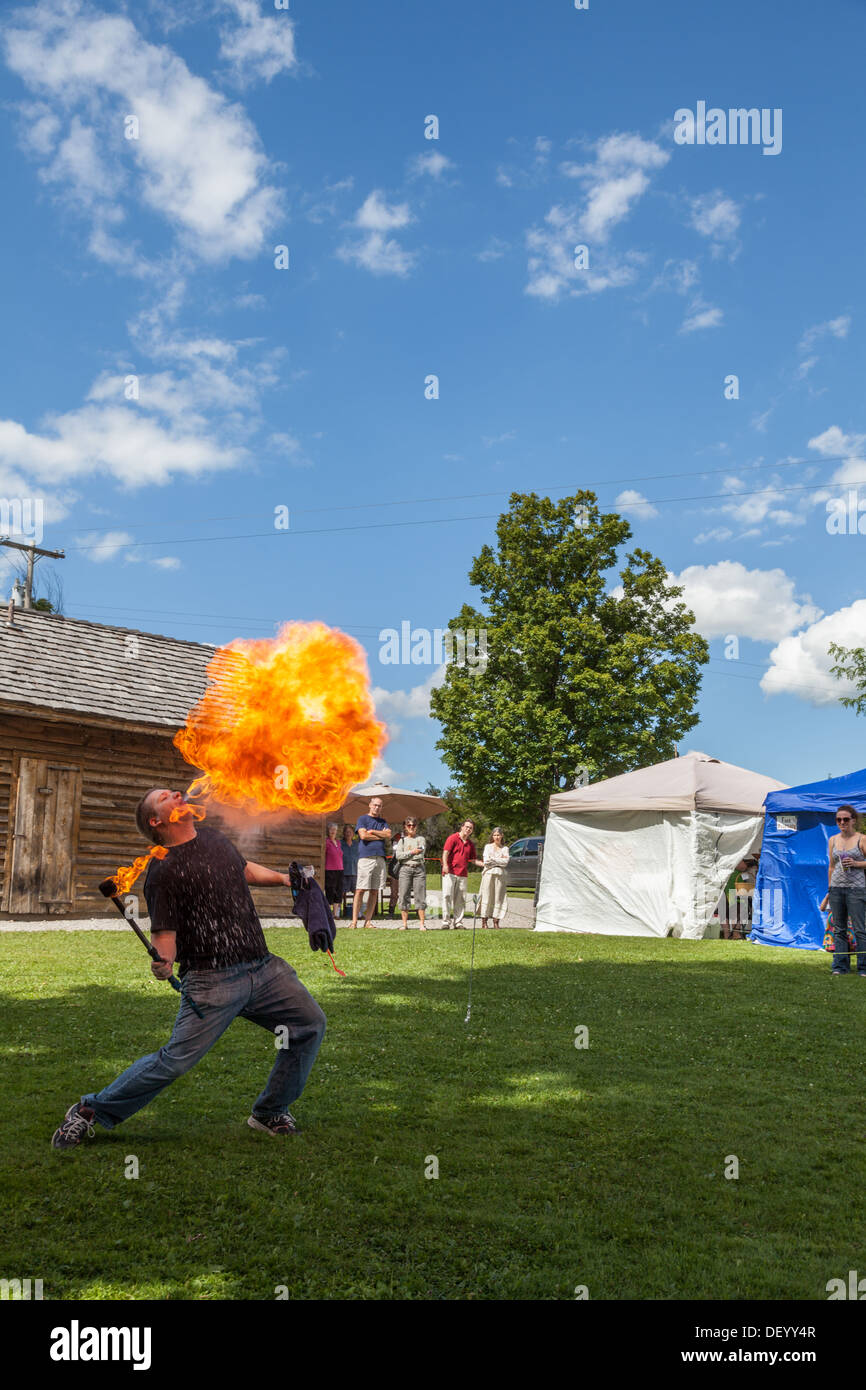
(458, 853)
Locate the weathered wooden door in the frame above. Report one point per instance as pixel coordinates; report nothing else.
(44, 837)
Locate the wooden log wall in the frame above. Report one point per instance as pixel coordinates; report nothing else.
(118, 766)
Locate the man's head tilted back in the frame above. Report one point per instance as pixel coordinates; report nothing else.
(143, 813)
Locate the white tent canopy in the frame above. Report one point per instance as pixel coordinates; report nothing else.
(648, 853)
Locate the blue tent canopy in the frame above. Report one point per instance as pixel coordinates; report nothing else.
(792, 875)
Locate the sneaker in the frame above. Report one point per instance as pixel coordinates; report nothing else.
(279, 1125)
(77, 1122)
(839, 972)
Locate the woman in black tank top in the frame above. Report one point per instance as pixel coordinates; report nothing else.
(846, 890)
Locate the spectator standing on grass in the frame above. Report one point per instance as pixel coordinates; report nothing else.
(411, 849)
(846, 890)
(494, 879)
(334, 869)
(373, 832)
(349, 846)
(458, 853)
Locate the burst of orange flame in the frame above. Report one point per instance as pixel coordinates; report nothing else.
(286, 723)
(197, 812)
(125, 878)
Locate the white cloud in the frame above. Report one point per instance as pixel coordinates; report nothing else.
(385, 774)
(103, 546)
(119, 440)
(408, 704)
(718, 219)
(551, 261)
(835, 443)
(257, 45)
(493, 251)
(728, 598)
(833, 328)
(683, 277)
(613, 182)
(378, 216)
(291, 449)
(433, 164)
(375, 252)
(40, 128)
(766, 502)
(701, 315)
(320, 206)
(800, 664)
(717, 533)
(193, 419)
(759, 422)
(679, 276)
(100, 546)
(635, 504)
(197, 163)
(379, 255)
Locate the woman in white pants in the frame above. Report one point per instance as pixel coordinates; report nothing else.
(494, 898)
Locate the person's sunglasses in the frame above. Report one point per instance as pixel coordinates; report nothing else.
(841, 820)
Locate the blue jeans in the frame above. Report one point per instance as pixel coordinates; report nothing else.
(845, 904)
(267, 992)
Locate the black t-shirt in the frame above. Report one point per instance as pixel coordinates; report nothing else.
(199, 892)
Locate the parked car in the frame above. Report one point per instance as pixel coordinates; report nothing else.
(523, 864)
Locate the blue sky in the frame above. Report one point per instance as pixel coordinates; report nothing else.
(153, 258)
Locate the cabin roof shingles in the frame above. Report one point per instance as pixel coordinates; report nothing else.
(70, 665)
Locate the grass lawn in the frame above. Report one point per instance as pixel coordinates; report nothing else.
(558, 1166)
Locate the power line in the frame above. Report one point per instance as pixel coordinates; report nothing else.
(801, 685)
(374, 632)
(449, 520)
(503, 492)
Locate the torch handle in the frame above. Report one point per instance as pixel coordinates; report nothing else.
(153, 952)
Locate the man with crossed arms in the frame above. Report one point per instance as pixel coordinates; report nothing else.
(373, 831)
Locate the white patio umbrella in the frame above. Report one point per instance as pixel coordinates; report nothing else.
(397, 803)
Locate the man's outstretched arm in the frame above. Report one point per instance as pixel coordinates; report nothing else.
(265, 878)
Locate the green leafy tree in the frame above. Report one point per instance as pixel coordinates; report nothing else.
(581, 681)
(851, 665)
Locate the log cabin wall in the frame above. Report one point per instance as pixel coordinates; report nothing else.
(106, 768)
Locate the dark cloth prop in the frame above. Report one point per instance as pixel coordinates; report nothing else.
(311, 905)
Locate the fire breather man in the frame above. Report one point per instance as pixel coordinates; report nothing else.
(202, 916)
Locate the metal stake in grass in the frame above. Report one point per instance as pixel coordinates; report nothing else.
(472, 961)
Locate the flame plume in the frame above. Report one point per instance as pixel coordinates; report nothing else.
(125, 878)
(286, 724)
(179, 812)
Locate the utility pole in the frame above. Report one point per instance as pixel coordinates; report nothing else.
(31, 551)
